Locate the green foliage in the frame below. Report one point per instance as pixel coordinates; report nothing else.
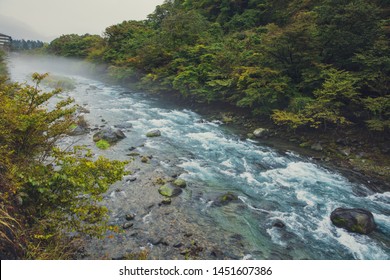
(3, 66)
(65, 194)
(74, 45)
(302, 63)
(59, 191)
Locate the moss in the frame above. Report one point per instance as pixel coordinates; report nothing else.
(180, 183)
(102, 144)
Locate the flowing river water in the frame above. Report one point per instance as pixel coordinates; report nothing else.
(284, 204)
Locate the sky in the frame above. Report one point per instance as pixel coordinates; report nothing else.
(48, 19)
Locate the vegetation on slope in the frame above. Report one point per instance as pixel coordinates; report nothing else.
(303, 64)
(48, 196)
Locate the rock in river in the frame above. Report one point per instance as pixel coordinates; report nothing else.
(225, 199)
(261, 133)
(153, 133)
(169, 190)
(180, 183)
(109, 134)
(354, 220)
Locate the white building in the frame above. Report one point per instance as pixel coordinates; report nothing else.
(5, 41)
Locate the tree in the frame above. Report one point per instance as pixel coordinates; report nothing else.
(50, 192)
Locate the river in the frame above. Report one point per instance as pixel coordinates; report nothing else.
(285, 199)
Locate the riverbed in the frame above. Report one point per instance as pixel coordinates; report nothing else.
(283, 204)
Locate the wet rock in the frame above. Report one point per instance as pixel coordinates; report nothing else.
(178, 245)
(145, 159)
(130, 217)
(125, 125)
(110, 135)
(278, 224)
(166, 201)
(79, 130)
(127, 225)
(261, 132)
(250, 136)
(129, 178)
(169, 190)
(225, 199)
(153, 133)
(353, 220)
(180, 183)
(317, 147)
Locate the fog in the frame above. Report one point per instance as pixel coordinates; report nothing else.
(53, 65)
(52, 18)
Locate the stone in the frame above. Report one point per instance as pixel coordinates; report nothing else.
(130, 217)
(345, 151)
(261, 132)
(278, 224)
(125, 125)
(129, 178)
(78, 130)
(153, 133)
(225, 199)
(127, 225)
(166, 201)
(110, 135)
(317, 147)
(180, 183)
(169, 190)
(354, 220)
(145, 159)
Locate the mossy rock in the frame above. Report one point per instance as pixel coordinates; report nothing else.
(225, 199)
(354, 220)
(110, 135)
(153, 133)
(169, 190)
(180, 183)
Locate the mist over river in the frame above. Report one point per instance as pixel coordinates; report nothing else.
(284, 199)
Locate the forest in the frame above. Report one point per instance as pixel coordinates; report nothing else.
(303, 64)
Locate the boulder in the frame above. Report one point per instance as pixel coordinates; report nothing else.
(180, 183)
(353, 220)
(153, 133)
(261, 133)
(110, 135)
(79, 130)
(169, 190)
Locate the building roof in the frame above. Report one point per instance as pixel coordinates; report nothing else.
(3, 35)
